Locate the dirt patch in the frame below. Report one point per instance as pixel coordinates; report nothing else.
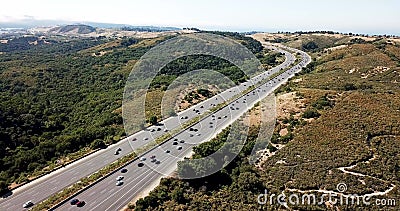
(183, 104)
(336, 48)
(289, 104)
(375, 71)
(283, 132)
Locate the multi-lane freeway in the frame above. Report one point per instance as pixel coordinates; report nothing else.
(105, 195)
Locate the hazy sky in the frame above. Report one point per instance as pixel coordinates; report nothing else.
(378, 16)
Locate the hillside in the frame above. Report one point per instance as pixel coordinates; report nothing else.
(73, 29)
(62, 99)
(338, 122)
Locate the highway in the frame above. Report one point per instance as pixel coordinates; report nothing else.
(56, 181)
(106, 195)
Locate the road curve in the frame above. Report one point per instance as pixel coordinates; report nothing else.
(56, 181)
(106, 195)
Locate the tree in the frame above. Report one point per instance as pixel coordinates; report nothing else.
(153, 120)
(311, 113)
(3, 187)
(309, 46)
(249, 181)
(98, 144)
(349, 87)
(177, 195)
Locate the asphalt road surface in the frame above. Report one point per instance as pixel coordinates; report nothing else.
(106, 195)
(48, 185)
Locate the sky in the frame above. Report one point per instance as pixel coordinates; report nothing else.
(357, 16)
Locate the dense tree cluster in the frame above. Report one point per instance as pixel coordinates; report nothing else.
(60, 96)
(55, 101)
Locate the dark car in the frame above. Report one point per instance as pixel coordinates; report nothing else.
(74, 201)
(140, 164)
(124, 170)
(175, 143)
(80, 203)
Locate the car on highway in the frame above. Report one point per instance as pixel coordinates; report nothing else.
(119, 178)
(74, 201)
(119, 183)
(124, 170)
(27, 204)
(80, 203)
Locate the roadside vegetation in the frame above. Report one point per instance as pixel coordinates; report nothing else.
(345, 111)
(61, 98)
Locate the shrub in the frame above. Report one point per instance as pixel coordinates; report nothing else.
(311, 113)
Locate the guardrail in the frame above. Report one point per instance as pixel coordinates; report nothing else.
(53, 170)
(205, 115)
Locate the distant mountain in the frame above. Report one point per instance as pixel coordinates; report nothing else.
(31, 22)
(149, 28)
(73, 29)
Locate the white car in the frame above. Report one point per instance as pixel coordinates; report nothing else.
(119, 178)
(27, 204)
(119, 183)
(142, 159)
